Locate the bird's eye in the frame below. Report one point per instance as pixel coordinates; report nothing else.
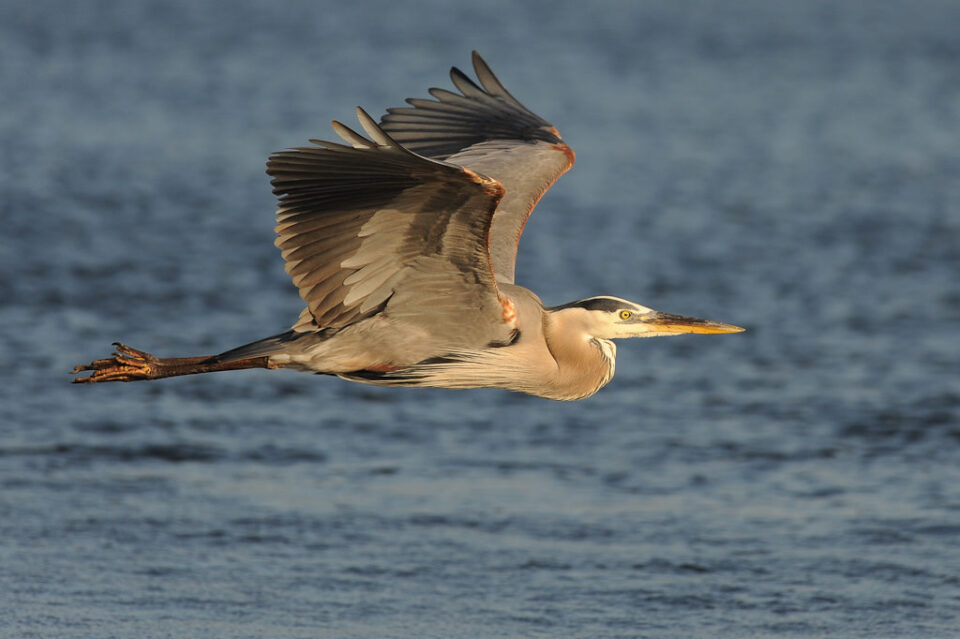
(625, 315)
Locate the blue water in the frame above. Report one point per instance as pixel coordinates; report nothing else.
(788, 167)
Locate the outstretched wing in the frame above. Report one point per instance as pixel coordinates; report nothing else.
(486, 129)
(373, 227)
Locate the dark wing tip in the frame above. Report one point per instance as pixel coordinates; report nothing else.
(452, 121)
(490, 82)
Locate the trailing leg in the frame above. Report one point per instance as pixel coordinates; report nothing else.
(129, 364)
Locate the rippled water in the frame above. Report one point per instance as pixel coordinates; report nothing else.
(791, 168)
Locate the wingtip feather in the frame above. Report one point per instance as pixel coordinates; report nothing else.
(350, 136)
(373, 129)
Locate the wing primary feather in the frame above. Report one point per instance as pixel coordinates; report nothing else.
(467, 86)
(423, 104)
(356, 140)
(489, 80)
(374, 131)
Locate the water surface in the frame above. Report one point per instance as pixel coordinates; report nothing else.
(791, 168)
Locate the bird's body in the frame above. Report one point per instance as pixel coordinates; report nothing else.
(403, 245)
(552, 356)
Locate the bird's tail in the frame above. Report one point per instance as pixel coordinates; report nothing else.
(266, 346)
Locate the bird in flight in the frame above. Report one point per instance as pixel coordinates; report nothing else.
(402, 242)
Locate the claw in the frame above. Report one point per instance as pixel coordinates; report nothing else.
(126, 365)
(129, 352)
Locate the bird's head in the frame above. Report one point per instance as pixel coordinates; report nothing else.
(614, 318)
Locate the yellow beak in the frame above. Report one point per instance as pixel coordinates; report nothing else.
(678, 324)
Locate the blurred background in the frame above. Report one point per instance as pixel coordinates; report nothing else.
(789, 167)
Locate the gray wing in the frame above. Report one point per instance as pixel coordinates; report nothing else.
(486, 129)
(373, 228)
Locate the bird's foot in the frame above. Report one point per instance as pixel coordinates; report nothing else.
(127, 365)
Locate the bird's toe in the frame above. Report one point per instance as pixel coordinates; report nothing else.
(126, 365)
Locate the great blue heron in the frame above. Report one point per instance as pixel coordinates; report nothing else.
(403, 246)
